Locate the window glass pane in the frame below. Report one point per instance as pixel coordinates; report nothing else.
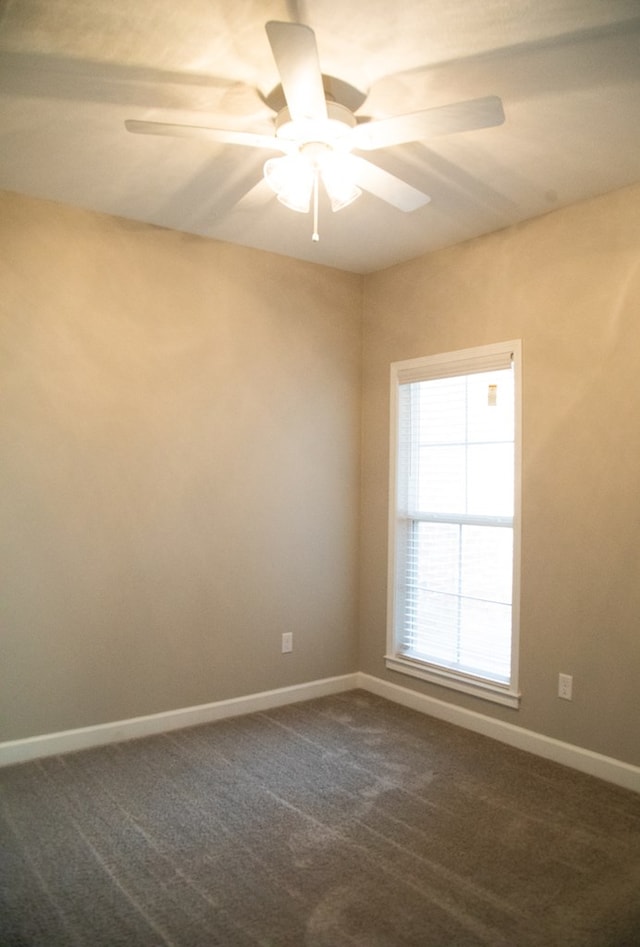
(459, 594)
(485, 639)
(434, 557)
(490, 406)
(460, 437)
(441, 479)
(481, 644)
(441, 410)
(429, 636)
(475, 479)
(475, 561)
(489, 479)
(486, 563)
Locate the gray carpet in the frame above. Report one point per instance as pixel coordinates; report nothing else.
(341, 822)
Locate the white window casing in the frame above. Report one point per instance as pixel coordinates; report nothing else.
(454, 520)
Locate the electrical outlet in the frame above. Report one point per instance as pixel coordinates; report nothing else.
(287, 642)
(565, 686)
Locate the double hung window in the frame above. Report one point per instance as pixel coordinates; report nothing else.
(454, 523)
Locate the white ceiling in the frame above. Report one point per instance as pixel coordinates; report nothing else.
(72, 71)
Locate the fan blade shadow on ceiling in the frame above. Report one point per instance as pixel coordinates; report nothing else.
(257, 196)
(42, 75)
(448, 182)
(297, 11)
(223, 136)
(222, 184)
(591, 58)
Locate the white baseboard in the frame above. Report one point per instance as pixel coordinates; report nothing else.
(604, 767)
(51, 744)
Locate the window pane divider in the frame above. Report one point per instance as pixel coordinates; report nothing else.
(457, 519)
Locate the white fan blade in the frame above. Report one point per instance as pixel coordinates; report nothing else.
(419, 126)
(386, 186)
(294, 49)
(221, 135)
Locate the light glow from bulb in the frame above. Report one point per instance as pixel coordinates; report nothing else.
(338, 181)
(291, 179)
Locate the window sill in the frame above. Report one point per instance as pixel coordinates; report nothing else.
(486, 690)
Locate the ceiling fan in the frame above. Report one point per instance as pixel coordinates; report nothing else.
(316, 131)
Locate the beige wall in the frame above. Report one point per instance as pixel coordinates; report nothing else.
(568, 285)
(179, 469)
(179, 462)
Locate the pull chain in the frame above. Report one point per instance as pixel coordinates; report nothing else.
(315, 236)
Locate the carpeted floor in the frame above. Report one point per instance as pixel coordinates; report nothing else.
(346, 821)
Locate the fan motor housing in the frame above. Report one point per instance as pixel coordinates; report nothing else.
(329, 130)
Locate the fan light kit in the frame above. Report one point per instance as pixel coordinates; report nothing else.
(319, 150)
(315, 134)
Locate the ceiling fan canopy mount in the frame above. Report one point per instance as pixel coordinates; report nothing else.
(331, 130)
(335, 90)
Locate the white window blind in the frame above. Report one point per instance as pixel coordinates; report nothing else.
(453, 517)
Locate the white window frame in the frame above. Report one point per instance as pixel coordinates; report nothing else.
(419, 369)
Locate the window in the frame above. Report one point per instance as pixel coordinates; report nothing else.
(454, 520)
